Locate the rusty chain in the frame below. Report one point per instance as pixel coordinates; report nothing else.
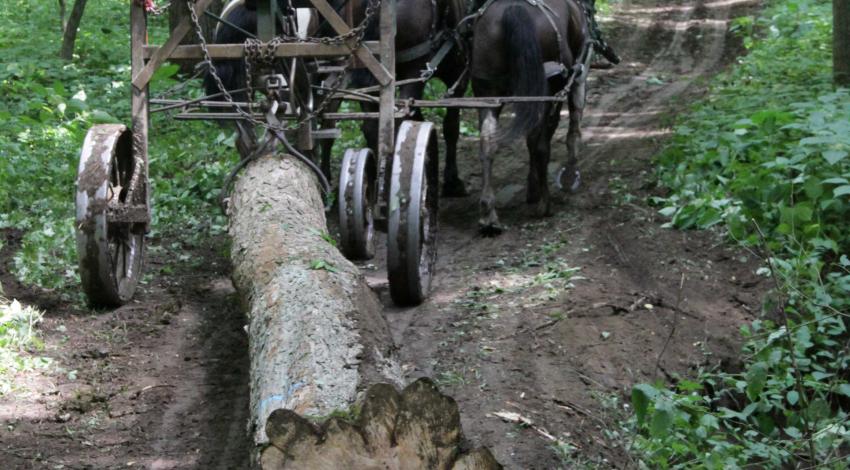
(255, 49)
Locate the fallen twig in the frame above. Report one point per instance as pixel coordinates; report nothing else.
(676, 312)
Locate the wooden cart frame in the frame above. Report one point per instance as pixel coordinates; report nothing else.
(398, 184)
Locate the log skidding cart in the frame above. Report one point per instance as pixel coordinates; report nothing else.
(396, 189)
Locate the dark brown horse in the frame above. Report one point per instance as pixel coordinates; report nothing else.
(523, 48)
(422, 28)
(419, 23)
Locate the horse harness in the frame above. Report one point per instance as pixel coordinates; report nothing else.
(445, 40)
(440, 41)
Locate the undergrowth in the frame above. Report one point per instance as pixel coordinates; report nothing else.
(18, 335)
(46, 107)
(764, 157)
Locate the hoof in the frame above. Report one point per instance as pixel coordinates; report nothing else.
(566, 180)
(543, 209)
(532, 195)
(454, 188)
(490, 230)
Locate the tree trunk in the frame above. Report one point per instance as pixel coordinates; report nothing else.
(841, 42)
(178, 10)
(418, 428)
(317, 333)
(318, 340)
(69, 38)
(62, 11)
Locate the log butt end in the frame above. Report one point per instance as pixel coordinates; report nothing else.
(417, 428)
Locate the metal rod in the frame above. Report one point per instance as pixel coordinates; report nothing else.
(353, 93)
(182, 104)
(354, 116)
(374, 88)
(237, 51)
(228, 23)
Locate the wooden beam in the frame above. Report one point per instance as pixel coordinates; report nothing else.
(386, 121)
(141, 79)
(236, 51)
(139, 105)
(266, 21)
(363, 53)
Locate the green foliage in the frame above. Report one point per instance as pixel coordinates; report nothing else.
(765, 157)
(322, 265)
(46, 108)
(18, 335)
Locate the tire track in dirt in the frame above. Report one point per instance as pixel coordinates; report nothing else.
(511, 326)
(160, 383)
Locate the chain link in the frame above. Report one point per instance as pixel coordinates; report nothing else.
(264, 52)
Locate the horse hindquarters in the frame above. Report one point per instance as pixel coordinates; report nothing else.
(525, 67)
(523, 63)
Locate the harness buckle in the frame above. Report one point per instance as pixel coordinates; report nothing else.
(428, 71)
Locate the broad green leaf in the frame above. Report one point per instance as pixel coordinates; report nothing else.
(165, 72)
(662, 419)
(102, 117)
(793, 433)
(841, 191)
(837, 180)
(820, 376)
(793, 397)
(756, 378)
(642, 395)
(834, 156)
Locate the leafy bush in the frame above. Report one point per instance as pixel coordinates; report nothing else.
(765, 156)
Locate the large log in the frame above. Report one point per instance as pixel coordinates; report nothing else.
(318, 339)
(317, 333)
(416, 429)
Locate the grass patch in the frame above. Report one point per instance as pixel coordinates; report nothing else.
(18, 340)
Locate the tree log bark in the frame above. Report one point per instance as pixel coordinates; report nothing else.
(317, 334)
(69, 38)
(62, 22)
(841, 42)
(416, 429)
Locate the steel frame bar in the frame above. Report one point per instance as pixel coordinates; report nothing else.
(237, 51)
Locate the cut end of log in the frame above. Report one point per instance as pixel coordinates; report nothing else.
(417, 428)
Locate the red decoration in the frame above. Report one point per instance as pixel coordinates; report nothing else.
(150, 5)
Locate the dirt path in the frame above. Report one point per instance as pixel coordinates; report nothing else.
(555, 319)
(160, 383)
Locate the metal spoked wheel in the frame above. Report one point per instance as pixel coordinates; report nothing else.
(357, 198)
(111, 216)
(412, 228)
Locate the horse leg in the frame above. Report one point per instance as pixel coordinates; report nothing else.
(489, 222)
(539, 144)
(452, 184)
(569, 178)
(326, 146)
(369, 127)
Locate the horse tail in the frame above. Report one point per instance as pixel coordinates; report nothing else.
(526, 68)
(232, 72)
